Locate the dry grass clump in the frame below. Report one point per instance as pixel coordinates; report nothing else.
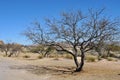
(90, 58)
(26, 56)
(51, 56)
(56, 58)
(4, 56)
(111, 59)
(40, 57)
(68, 56)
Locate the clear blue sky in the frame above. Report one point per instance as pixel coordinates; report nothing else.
(16, 15)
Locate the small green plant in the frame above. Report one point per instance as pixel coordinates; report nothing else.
(26, 56)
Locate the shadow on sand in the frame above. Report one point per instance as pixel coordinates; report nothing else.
(41, 70)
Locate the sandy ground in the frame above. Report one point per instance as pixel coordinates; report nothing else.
(62, 69)
(7, 73)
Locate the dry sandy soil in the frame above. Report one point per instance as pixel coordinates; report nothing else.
(62, 69)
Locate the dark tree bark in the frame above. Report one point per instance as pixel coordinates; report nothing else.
(6, 53)
(81, 64)
(10, 54)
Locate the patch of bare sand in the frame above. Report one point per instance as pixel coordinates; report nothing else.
(62, 69)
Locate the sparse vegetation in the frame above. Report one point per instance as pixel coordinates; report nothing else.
(26, 56)
(68, 56)
(90, 58)
(56, 58)
(51, 56)
(40, 57)
(82, 42)
(10, 49)
(109, 58)
(75, 34)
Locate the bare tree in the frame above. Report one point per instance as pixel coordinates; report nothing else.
(112, 47)
(5, 48)
(81, 33)
(10, 48)
(39, 37)
(42, 49)
(1, 45)
(15, 49)
(35, 33)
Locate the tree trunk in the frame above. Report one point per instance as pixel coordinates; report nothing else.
(46, 54)
(108, 53)
(10, 54)
(80, 67)
(99, 55)
(76, 61)
(6, 53)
